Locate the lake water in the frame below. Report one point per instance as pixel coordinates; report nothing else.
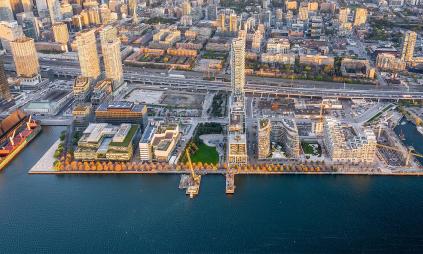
(145, 214)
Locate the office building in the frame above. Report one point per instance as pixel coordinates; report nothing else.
(360, 17)
(158, 141)
(408, 44)
(102, 141)
(263, 138)
(117, 112)
(87, 54)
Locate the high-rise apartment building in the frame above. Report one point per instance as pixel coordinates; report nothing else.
(233, 23)
(238, 65)
(186, 8)
(408, 44)
(87, 54)
(112, 60)
(303, 13)
(61, 33)
(360, 17)
(4, 85)
(54, 11)
(9, 31)
(25, 57)
(6, 13)
(27, 5)
(343, 15)
(237, 139)
(110, 48)
(263, 138)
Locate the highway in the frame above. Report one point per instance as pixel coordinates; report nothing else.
(158, 79)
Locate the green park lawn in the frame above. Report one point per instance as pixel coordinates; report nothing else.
(205, 154)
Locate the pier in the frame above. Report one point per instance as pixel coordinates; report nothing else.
(191, 184)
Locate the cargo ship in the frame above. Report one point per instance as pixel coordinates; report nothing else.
(16, 131)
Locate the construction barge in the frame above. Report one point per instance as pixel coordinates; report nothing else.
(230, 183)
(16, 131)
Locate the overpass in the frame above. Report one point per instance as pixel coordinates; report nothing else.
(266, 87)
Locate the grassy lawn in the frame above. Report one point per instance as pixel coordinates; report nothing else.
(311, 148)
(205, 154)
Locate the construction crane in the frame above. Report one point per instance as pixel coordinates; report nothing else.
(409, 153)
(195, 177)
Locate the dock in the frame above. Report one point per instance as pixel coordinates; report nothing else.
(230, 183)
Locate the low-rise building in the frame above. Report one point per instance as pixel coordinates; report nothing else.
(278, 58)
(50, 104)
(159, 141)
(357, 68)
(81, 88)
(389, 62)
(278, 45)
(102, 141)
(118, 112)
(316, 60)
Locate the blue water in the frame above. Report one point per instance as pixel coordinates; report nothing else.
(148, 214)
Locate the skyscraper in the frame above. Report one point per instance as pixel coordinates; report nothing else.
(6, 13)
(25, 57)
(237, 139)
(360, 17)
(4, 85)
(238, 65)
(61, 33)
(87, 54)
(343, 15)
(408, 45)
(110, 47)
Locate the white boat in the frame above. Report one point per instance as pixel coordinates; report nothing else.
(420, 129)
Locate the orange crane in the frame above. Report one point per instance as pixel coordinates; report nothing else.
(194, 176)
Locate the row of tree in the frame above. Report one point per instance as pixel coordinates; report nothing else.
(67, 163)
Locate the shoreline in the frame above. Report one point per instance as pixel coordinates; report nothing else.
(223, 173)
